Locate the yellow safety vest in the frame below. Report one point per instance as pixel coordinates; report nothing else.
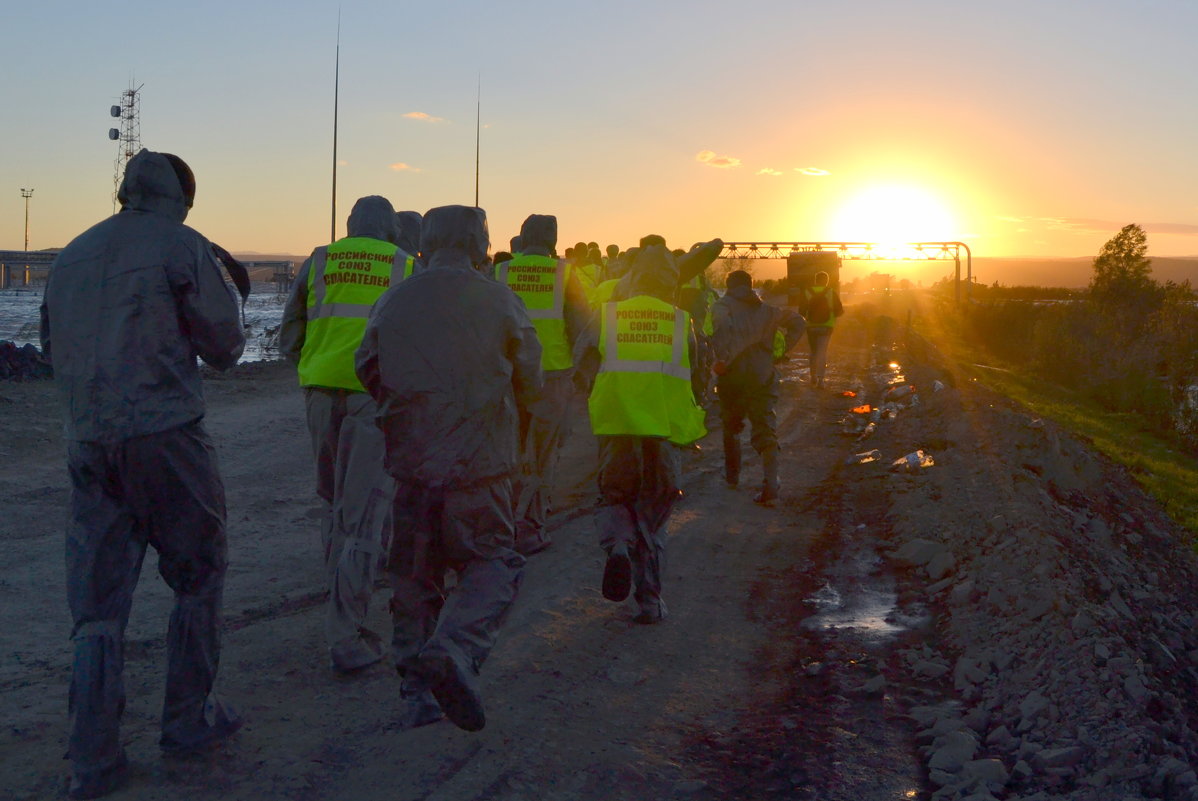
(540, 281)
(344, 281)
(588, 276)
(811, 293)
(604, 292)
(644, 383)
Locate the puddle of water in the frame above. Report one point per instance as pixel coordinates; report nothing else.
(865, 610)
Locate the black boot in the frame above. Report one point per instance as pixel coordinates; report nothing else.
(731, 459)
(769, 484)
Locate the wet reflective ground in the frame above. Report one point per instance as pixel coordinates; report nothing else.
(263, 311)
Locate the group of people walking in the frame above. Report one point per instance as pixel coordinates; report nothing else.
(436, 380)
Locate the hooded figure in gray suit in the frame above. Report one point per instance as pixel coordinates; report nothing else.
(452, 359)
(129, 306)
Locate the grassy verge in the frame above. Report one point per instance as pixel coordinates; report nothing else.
(1166, 472)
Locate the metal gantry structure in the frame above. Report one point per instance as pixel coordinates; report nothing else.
(128, 136)
(863, 251)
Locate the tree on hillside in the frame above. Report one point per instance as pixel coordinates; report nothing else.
(1121, 268)
(722, 268)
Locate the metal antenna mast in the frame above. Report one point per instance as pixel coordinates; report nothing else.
(478, 103)
(128, 136)
(336, 91)
(26, 193)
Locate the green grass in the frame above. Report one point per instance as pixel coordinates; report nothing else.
(1164, 471)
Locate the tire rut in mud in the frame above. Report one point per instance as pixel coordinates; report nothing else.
(833, 723)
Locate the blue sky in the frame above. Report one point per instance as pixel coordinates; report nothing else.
(1021, 128)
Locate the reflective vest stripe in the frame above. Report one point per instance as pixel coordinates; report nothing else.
(677, 367)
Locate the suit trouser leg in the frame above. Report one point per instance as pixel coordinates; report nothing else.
(362, 499)
(104, 553)
(546, 430)
(638, 487)
(471, 531)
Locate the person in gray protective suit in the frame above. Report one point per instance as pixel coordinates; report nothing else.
(452, 359)
(322, 326)
(128, 307)
(743, 338)
(409, 233)
(558, 306)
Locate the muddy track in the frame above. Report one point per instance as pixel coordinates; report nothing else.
(811, 650)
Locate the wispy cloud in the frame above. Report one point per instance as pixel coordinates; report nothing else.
(710, 158)
(420, 115)
(769, 171)
(811, 171)
(400, 166)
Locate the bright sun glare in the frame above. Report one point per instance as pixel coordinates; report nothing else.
(892, 215)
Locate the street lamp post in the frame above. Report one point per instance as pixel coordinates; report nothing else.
(26, 193)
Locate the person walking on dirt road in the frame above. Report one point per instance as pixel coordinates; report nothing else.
(821, 307)
(557, 305)
(744, 329)
(452, 359)
(641, 351)
(322, 326)
(128, 306)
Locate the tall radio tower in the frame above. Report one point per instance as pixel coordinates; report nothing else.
(127, 137)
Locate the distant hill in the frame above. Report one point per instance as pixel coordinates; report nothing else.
(1065, 273)
(1071, 272)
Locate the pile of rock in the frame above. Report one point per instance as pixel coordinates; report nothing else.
(1066, 616)
(22, 363)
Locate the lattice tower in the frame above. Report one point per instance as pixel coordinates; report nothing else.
(128, 136)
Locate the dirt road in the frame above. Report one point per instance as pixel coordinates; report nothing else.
(834, 647)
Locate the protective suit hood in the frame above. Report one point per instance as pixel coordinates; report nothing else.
(538, 235)
(151, 184)
(654, 273)
(409, 231)
(374, 217)
(745, 294)
(458, 229)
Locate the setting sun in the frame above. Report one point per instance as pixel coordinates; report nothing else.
(892, 215)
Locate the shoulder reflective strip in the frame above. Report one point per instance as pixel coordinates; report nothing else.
(501, 272)
(319, 260)
(613, 364)
(399, 265)
(342, 310)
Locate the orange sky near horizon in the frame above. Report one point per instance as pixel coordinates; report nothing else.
(1028, 129)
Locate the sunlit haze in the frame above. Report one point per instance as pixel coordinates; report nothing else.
(1021, 128)
(892, 215)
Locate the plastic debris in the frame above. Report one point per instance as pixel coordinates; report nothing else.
(867, 432)
(913, 462)
(864, 458)
(864, 408)
(848, 393)
(937, 385)
(899, 391)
